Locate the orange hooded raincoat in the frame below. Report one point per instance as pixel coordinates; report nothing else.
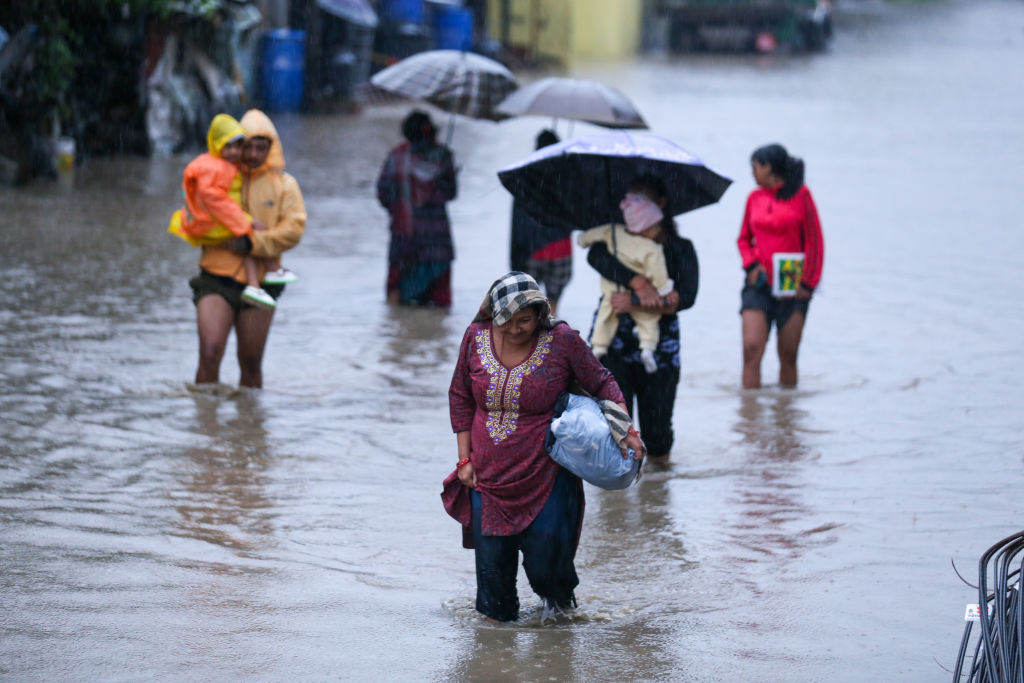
(270, 195)
(212, 189)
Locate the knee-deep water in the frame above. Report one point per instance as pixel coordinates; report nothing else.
(154, 531)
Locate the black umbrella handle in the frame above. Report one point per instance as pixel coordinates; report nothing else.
(611, 220)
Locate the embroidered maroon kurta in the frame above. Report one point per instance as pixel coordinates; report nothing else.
(507, 411)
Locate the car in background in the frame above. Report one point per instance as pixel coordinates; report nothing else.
(764, 26)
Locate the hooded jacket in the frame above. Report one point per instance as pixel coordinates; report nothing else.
(270, 195)
(212, 189)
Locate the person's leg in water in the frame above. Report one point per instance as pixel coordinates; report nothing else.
(496, 567)
(655, 403)
(755, 339)
(214, 319)
(425, 284)
(789, 336)
(252, 327)
(549, 543)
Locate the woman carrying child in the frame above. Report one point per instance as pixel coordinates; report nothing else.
(634, 246)
(654, 392)
(273, 198)
(212, 215)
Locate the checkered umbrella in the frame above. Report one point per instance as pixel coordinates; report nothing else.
(459, 82)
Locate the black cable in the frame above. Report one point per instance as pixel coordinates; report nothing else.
(998, 655)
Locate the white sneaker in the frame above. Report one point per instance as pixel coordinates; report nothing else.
(281, 276)
(650, 364)
(258, 297)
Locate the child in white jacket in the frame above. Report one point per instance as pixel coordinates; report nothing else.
(635, 247)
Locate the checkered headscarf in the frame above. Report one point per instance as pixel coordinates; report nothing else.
(510, 294)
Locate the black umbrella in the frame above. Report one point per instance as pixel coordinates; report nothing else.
(578, 183)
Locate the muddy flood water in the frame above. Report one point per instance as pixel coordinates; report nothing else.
(151, 531)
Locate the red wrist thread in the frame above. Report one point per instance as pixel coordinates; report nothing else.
(462, 462)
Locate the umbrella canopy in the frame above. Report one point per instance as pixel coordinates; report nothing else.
(579, 183)
(576, 99)
(459, 82)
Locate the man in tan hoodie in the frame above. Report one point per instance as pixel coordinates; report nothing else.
(269, 195)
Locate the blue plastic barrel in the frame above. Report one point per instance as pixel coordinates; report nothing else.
(402, 11)
(284, 55)
(453, 28)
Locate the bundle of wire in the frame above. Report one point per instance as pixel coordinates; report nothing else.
(999, 647)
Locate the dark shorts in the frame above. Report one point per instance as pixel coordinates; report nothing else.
(227, 288)
(554, 275)
(759, 298)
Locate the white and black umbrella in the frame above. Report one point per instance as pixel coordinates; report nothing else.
(458, 82)
(574, 99)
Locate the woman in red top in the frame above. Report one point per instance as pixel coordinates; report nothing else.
(506, 491)
(780, 218)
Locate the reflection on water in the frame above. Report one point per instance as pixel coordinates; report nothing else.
(770, 422)
(225, 503)
(773, 515)
(418, 344)
(297, 533)
(495, 654)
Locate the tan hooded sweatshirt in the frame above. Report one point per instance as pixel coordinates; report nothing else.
(270, 195)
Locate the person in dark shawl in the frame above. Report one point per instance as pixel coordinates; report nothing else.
(506, 491)
(414, 185)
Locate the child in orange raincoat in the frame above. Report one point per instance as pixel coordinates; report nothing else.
(212, 213)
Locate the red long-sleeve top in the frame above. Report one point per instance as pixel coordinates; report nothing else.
(772, 225)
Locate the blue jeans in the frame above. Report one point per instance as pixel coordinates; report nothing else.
(548, 545)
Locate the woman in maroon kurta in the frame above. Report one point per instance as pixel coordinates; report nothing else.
(506, 491)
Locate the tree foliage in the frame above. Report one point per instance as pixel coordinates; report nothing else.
(62, 25)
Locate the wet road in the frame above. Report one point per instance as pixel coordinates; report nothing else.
(154, 532)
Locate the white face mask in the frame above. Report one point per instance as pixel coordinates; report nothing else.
(639, 211)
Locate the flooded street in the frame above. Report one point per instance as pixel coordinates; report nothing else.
(151, 531)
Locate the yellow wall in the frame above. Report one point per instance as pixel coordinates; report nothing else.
(564, 30)
(605, 29)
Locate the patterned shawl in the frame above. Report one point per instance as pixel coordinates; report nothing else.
(510, 294)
